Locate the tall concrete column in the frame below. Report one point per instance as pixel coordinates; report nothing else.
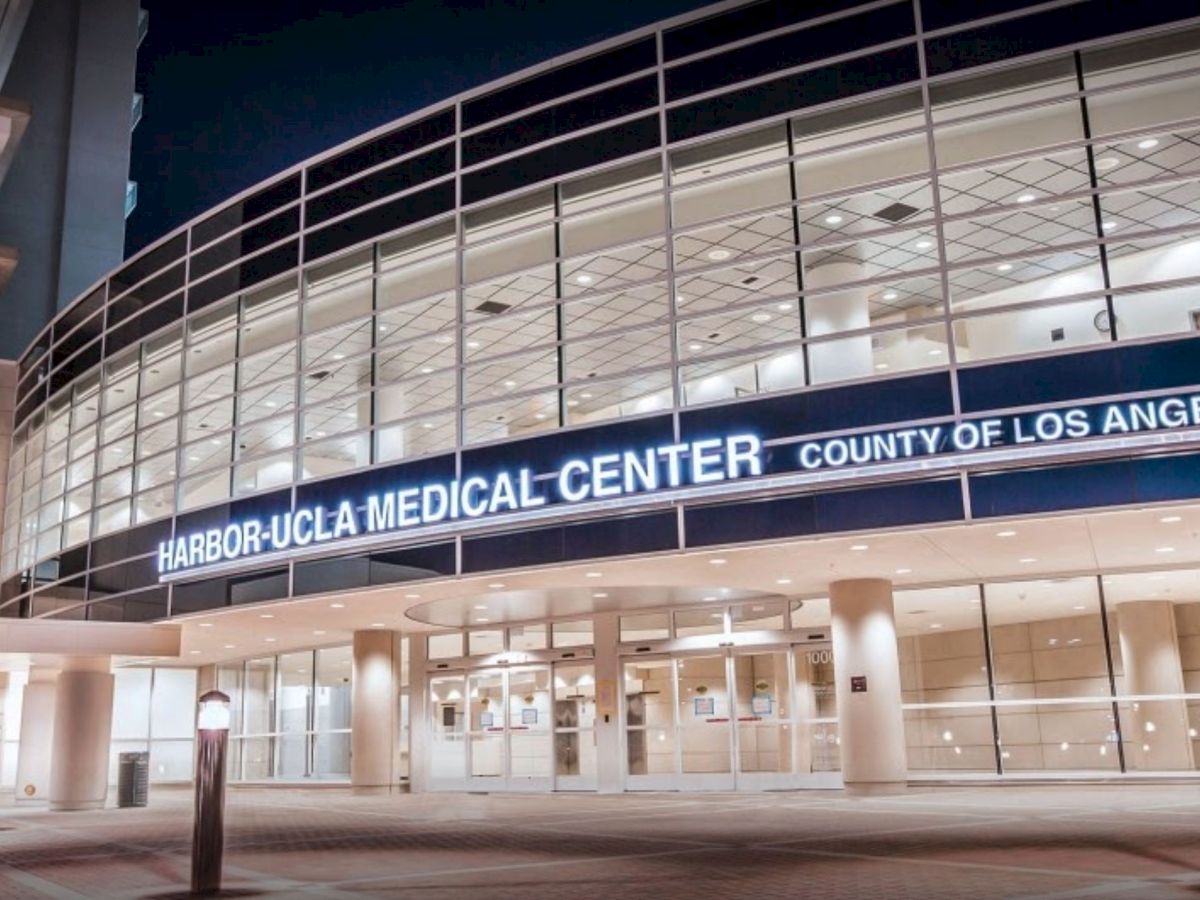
(1156, 731)
(418, 715)
(867, 666)
(375, 710)
(37, 735)
(82, 732)
(608, 718)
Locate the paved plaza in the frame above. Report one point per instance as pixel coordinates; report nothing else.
(1046, 842)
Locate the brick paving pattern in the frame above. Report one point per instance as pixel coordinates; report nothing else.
(1139, 842)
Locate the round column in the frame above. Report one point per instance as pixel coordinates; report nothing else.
(82, 731)
(374, 710)
(1155, 731)
(37, 733)
(867, 666)
(844, 310)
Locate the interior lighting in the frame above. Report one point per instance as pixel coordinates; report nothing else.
(1004, 267)
(496, 585)
(482, 607)
(936, 625)
(481, 620)
(266, 616)
(1164, 549)
(1148, 144)
(1026, 198)
(1171, 520)
(695, 348)
(592, 574)
(718, 561)
(881, 367)
(890, 295)
(337, 605)
(924, 245)
(783, 581)
(903, 571)
(947, 736)
(784, 307)
(206, 624)
(269, 640)
(1007, 533)
(584, 279)
(600, 595)
(1105, 163)
(833, 220)
(318, 632)
(935, 352)
(718, 254)
(1028, 559)
(760, 318)
(376, 624)
(858, 548)
(412, 596)
(1109, 226)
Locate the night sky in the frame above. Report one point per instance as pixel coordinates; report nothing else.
(237, 91)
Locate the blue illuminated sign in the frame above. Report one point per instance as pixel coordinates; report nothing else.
(600, 477)
(635, 472)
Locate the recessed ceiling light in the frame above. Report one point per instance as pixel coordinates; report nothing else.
(572, 403)
(1026, 198)
(717, 561)
(376, 624)
(193, 652)
(472, 345)
(858, 548)
(337, 605)
(496, 585)
(716, 615)
(760, 318)
(903, 571)
(481, 607)
(592, 574)
(539, 416)
(1168, 520)
(879, 367)
(924, 245)
(708, 599)
(936, 625)
(1109, 226)
(319, 632)
(339, 356)
(695, 348)
(1148, 144)
(1104, 163)
(412, 596)
(230, 646)
(680, 299)
(890, 295)
(427, 425)
(784, 307)
(482, 620)
(426, 370)
(718, 254)
(600, 595)
(833, 220)
(269, 640)
(1164, 549)
(1079, 606)
(783, 581)
(266, 616)
(1004, 267)
(1028, 559)
(1007, 533)
(584, 279)
(206, 624)
(936, 351)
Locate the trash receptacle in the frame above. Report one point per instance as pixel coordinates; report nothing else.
(133, 778)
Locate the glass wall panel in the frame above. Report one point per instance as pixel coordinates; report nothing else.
(650, 745)
(1048, 648)
(331, 712)
(763, 711)
(574, 720)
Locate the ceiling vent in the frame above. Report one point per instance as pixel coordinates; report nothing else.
(319, 376)
(750, 280)
(896, 212)
(492, 307)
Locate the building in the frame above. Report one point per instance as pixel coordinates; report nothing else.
(68, 67)
(784, 395)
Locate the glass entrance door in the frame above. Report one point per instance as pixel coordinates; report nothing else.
(493, 730)
(750, 719)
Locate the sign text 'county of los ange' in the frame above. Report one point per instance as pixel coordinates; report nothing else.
(609, 476)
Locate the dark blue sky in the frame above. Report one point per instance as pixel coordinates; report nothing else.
(236, 91)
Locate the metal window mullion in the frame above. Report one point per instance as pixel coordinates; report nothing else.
(1112, 680)
(560, 351)
(1097, 213)
(801, 309)
(938, 221)
(991, 679)
(669, 247)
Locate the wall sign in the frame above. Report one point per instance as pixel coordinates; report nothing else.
(395, 509)
(642, 471)
(858, 684)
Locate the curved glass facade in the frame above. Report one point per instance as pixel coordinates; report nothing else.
(772, 199)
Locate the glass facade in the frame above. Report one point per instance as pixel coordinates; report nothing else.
(488, 272)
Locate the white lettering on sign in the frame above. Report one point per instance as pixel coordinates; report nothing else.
(982, 434)
(599, 477)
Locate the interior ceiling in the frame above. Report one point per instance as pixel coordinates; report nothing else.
(1037, 552)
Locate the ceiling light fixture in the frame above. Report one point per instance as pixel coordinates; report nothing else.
(858, 548)
(1105, 163)
(879, 367)
(783, 581)
(1148, 144)
(718, 254)
(924, 245)
(717, 561)
(593, 574)
(1026, 198)
(1027, 559)
(1170, 520)
(833, 220)
(1007, 533)
(903, 571)
(1164, 549)
(337, 605)
(496, 585)
(584, 279)
(890, 295)
(1004, 267)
